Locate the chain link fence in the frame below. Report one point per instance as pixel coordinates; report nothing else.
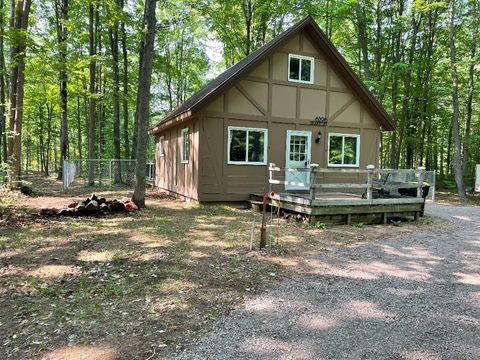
(98, 173)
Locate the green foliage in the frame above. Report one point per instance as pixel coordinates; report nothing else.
(320, 225)
(395, 222)
(359, 225)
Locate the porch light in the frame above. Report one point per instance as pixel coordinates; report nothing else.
(318, 137)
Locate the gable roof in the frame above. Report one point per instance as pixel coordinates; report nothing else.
(229, 76)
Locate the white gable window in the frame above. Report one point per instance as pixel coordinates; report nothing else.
(247, 146)
(185, 148)
(343, 150)
(301, 68)
(161, 149)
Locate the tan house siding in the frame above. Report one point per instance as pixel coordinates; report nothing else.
(171, 174)
(264, 98)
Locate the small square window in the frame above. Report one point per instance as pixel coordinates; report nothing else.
(343, 150)
(161, 149)
(185, 148)
(301, 68)
(247, 146)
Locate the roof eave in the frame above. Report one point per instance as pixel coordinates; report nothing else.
(167, 123)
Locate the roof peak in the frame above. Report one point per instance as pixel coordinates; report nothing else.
(233, 73)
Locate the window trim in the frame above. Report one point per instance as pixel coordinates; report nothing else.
(312, 68)
(357, 160)
(246, 162)
(184, 160)
(161, 147)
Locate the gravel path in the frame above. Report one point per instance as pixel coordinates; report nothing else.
(415, 296)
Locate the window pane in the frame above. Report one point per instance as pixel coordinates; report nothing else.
(335, 155)
(256, 144)
(350, 151)
(294, 69)
(238, 145)
(185, 146)
(306, 67)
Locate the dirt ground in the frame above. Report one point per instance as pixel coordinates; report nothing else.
(144, 284)
(414, 296)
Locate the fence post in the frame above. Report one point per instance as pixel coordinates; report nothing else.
(370, 169)
(65, 175)
(313, 173)
(433, 186)
(421, 175)
(111, 175)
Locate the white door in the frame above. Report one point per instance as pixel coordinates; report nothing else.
(298, 157)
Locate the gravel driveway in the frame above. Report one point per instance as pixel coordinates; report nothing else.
(415, 296)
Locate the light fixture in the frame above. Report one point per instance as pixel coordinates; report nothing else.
(318, 137)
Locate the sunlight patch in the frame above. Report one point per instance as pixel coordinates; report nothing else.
(55, 271)
(318, 322)
(420, 355)
(367, 310)
(468, 279)
(91, 256)
(82, 353)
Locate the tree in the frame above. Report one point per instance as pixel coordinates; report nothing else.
(114, 48)
(457, 156)
(61, 17)
(143, 105)
(92, 111)
(19, 20)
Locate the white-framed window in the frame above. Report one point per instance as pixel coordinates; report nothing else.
(161, 149)
(185, 148)
(301, 68)
(343, 150)
(247, 146)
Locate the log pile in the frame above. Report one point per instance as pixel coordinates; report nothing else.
(92, 205)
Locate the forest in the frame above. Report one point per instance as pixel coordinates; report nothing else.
(71, 74)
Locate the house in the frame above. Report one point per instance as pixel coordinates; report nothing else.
(293, 102)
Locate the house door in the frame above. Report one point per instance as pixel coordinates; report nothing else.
(298, 156)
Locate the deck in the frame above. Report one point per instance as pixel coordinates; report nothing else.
(347, 206)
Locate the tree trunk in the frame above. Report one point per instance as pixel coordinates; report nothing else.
(79, 128)
(92, 98)
(471, 88)
(143, 105)
(362, 39)
(126, 138)
(3, 135)
(61, 17)
(457, 156)
(140, 64)
(21, 12)
(113, 35)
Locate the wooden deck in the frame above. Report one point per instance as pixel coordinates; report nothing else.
(343, 208)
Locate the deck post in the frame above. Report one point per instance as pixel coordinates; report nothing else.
(421, 176)
(313, 189)
(271, 166)
(370, 169)
(385, 218)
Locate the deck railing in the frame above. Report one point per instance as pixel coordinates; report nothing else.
(375, 179)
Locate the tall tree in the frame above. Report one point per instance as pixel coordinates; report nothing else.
(20, 15)
(125, 84)
(61, 18)
(457, 155)
(475, 24)
(114, 48)
(3, 71)
(143, 105)
(92, 107)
